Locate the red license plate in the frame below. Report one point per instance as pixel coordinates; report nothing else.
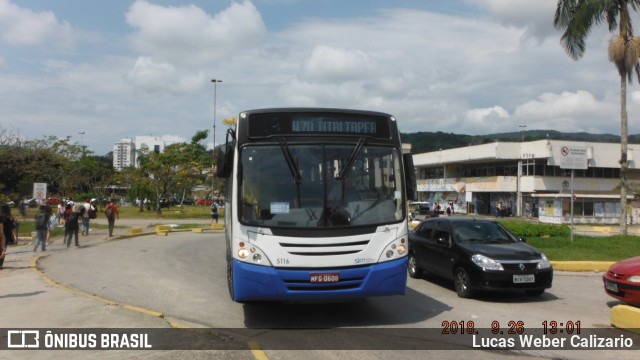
(325, 277)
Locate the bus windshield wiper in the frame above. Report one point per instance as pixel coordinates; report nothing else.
(345, 170)
(293, 167)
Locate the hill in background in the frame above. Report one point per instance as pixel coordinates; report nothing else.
(422, 142)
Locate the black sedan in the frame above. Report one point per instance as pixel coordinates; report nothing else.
(477, 254)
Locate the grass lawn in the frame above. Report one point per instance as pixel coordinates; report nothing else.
(608, 248)
(129, 212)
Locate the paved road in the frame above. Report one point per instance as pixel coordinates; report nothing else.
(182, 276)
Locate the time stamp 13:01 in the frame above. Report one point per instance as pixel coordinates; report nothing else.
(550, 334)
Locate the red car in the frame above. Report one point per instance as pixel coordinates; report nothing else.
(622, 281)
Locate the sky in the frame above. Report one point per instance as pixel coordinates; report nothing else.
(100, 71)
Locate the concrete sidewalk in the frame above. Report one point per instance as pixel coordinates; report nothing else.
(30, 299)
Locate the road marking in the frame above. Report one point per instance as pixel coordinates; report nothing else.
(254, 347)
(256, 351)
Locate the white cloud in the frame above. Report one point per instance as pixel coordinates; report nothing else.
(568, 111)
(486, 120)
(152, 76)
(188, 35)
(21, 26)
(331, 65)
(535, 16)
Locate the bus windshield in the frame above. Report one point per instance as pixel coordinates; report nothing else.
(320, 185)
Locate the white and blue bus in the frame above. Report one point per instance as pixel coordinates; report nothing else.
(316, 205)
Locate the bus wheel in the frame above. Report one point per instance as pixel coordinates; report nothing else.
(230, 280)
(414, 271)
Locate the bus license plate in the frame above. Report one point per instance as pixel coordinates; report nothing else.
(524, 279)
(325, 277)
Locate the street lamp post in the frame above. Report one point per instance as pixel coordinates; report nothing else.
(522, 130)
(519, 204)
(215, 88)
(82, 142)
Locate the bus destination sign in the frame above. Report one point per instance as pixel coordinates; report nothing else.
(333, 126)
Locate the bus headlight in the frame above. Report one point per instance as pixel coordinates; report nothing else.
(394, 250)
(250, 253)
(243, 253)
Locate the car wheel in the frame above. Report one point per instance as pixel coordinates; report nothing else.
(462, 283)
(536, 292)
(414, 271)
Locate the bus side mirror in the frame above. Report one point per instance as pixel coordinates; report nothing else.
(410, 176)
(224, 160)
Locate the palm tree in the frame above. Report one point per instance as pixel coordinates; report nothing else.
(576, 17)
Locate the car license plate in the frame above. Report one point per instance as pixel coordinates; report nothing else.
(325, 277)
(524, 279)
(611, 286)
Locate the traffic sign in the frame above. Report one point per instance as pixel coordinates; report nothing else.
(574, 157)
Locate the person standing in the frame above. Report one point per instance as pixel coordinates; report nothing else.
(72, 226)
(8, 231)
(53, 220)
(61, 210)
(85, 217)
(3, 245)
(42, 228)
(214, 213)
(10, 225)
(23, 208)
(111, 213)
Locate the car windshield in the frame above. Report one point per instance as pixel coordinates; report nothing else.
(481, 231)
(310, 186)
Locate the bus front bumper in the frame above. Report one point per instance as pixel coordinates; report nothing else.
(263, 283)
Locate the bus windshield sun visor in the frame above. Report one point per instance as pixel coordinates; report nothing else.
(345, 170)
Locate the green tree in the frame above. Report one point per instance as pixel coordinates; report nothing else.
(177, 169)
(576, 18)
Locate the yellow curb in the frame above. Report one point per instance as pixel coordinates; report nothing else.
(197, 230)
(134, 231)
(217, 226)
(48, 280)
(144, 311)
(257, 353)
(626, 317)
(164, 228)
(581, 265)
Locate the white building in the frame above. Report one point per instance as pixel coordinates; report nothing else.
(125, 152)
(529, 175)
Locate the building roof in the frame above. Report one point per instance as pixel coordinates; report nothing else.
(598, 154)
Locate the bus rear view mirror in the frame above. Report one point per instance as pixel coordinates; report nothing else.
(224, 159)
(410, 176)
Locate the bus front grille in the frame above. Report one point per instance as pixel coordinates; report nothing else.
(324, 249)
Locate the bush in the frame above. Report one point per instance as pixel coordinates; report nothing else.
(533, 230)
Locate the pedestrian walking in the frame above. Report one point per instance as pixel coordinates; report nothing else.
(111, 213)
(72, 225)
(42, 228)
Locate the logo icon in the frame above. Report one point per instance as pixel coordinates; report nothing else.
(23, 339)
